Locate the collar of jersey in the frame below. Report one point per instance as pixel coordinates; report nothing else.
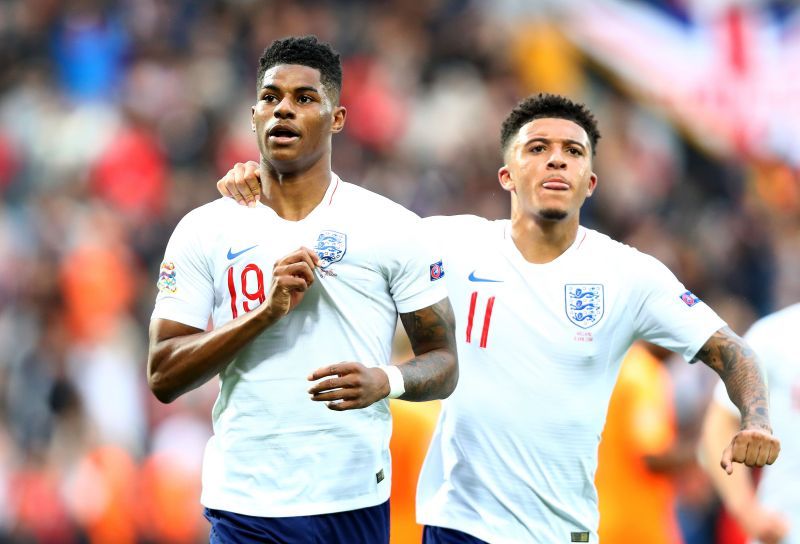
(325, 203)
(510, 248)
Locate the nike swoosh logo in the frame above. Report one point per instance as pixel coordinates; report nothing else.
(473, 277)
(232, 255)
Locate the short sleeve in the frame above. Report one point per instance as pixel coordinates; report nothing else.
(185, 284)
(416, 271)
(666, 313)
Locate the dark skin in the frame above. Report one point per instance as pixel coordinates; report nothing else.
(736, 364)
(294, 119)
(549, 174)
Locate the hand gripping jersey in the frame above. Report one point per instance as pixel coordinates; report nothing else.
(772, 339)
(514, 454)
(274, 451)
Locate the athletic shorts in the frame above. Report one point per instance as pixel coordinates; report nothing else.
(362, 526)
(440, 535)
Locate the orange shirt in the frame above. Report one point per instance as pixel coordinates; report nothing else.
(636, 505)
(412, 427)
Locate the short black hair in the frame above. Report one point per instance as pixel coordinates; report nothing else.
(306, 51)
(548, 106)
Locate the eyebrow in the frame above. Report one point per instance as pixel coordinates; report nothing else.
(548, 140)
(303, 89)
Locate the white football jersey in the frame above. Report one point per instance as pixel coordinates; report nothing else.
(772, 338)
(514, 454)
(274, 451)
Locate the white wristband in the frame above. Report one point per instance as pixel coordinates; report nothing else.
(396, 384)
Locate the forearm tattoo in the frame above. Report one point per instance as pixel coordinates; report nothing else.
(433, 372)
(739, 368)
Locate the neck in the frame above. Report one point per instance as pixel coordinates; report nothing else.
(542, 241)
(293, 194)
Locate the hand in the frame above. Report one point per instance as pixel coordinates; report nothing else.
(354, 386)
(242, 183)
(753, 447)
(291, 278)
(763, 525)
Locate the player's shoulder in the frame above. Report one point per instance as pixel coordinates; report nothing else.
(625, 261)
(593, 240)
(371, 204)
(464, 226)
(771, 325)
(204, 215)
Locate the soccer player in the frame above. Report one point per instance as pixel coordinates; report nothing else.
(545, 311)
(772, 513)
(303, 291)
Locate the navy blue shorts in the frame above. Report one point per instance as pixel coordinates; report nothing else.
(440, 535)
(362, 526)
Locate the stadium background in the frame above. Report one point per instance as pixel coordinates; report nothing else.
(116, 118)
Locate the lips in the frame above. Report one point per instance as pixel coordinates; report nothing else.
(283, 134)
(556, 184)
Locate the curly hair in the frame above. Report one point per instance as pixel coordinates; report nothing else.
(550, 106)
(306, 51)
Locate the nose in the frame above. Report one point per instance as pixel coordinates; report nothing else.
(556, 160)
(284, 109)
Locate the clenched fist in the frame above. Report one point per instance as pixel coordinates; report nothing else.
(753, 447)
(291, 278)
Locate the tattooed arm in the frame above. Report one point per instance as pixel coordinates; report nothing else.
(739, 369)
(431, 374)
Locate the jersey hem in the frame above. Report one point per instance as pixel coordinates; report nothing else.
(285, 511)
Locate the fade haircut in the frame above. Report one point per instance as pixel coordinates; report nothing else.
(548, 106)
(306, 51)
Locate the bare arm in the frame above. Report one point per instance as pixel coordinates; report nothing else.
(736, 364)
(431, 374)
(737, 490)
(182, 358)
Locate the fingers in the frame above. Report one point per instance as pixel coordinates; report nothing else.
(339, 369)
(763, 455)
(752, 447)
(251, 183)
(348, 389)
(242, 183)
(298, 270)
(303, 254)
(727, 459)
(774, 450)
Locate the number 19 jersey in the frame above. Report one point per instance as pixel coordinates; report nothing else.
(275, 452)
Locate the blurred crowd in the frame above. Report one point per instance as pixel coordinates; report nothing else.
(117, 117)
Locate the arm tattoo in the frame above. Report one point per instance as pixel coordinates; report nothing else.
(739, 368)
(433, 372)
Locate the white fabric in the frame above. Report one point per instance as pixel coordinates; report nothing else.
(275, 452)
(514, 453)
(772, 339)
(397, 385)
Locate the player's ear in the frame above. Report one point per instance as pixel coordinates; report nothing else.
(339, 115)
(253, 118)
(506, 179)
(592, 184)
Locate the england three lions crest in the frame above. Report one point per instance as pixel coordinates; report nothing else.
(331, 247)
(584, 303)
